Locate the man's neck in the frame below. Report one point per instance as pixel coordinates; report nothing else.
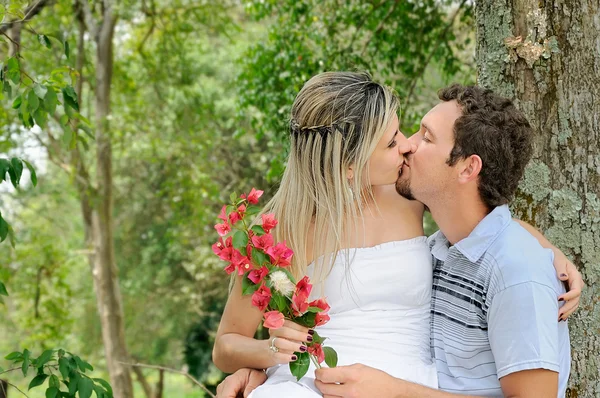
(458, 218)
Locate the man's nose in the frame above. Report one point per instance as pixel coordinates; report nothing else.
(406, 147)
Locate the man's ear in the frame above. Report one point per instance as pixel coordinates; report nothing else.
(470, 169)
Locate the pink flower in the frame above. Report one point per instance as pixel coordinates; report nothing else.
(317, 350)
(237, 215)
(223, 249)
(223, 213)
(320, 303)
(303, 288)
(261, 297)
(263, 242)
(268, 222)
(321, 319)
(273, 320)
(280, 254)
(223, 229)
(254, 195)
(239, 262)
(299, 304)
(257, 275)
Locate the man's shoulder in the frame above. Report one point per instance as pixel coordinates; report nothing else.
(518, 257)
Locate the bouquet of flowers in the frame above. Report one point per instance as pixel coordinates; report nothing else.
(250, 250)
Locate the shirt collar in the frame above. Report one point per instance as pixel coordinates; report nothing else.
(479, 240)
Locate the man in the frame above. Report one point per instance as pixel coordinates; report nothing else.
(494, 330)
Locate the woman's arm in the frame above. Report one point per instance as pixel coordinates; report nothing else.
(566, 271)
(236, 348)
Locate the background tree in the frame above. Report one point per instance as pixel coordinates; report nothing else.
(546, 58)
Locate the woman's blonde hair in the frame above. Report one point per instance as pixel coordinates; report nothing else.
(337, 120)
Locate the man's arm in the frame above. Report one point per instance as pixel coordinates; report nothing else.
(359, 381)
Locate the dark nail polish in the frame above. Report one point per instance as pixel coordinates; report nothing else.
(302, 348)
(311, 332)
(561, 299)
(563, 275)
(309, 338)
(294, 357)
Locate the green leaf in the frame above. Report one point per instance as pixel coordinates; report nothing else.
(73, 382)
(13, 356)
(300, 366)
(52, 392)
(307, 320)
(26, 362)
(41, 117)
(63, 367)
(248, 287)
(67, 136)
(317, 338)
(32, 172)
(40, 90)
(252, 210)
(67, 52)
(44, 358)
(4, 227)
(314, 309)
(100, 392)
(331, 358)
(70, 97)
(258, 230)
(33, 101)
(278, 301)
(240, 240)
(13, 70)
(259, 258)
(3, 291)
(54, 382)
(50, 101)
(233, 197)
(105, 384)
(7, 88)
(4, 167)
(17, 167)
(44, 41)
(37, 381)
(85, 387)
(17, 102)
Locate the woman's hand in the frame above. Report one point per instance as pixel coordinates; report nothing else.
(567, 272)
(287, 340)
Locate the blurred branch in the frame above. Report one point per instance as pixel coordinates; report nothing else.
(362, 23)
(181, 372)
(89, 18)
(30, 12)
(380, 26)
(424, 65)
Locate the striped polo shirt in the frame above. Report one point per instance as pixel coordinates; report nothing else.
(494, 308)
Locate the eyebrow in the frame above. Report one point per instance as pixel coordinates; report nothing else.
(426, 127)
(392, 140)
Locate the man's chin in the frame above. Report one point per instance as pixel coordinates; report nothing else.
(403, 189)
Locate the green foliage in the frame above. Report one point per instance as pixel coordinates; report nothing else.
(71, 368)
(394, 41)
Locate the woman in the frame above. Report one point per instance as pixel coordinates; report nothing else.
(359, 241)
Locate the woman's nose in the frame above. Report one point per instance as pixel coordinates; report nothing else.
(405, 146)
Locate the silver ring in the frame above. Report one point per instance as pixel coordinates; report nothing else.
(272, 347)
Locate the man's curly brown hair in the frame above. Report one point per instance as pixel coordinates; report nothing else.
(493, 128)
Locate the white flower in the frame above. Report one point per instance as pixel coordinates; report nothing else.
(282, 283)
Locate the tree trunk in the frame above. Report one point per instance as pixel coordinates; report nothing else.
(106, 284)
(546, 56)
(158, 390)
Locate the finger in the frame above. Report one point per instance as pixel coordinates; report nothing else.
(295, 326)
(256, 379)
(283, 357)
(568, 309)
(331, 375)
(291, 334)
(570, 295)
(288, 346)
(330, 390)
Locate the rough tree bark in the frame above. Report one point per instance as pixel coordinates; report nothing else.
(546, 56)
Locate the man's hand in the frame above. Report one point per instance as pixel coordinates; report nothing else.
(567, 272)
(241, 383)
(356, 381)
